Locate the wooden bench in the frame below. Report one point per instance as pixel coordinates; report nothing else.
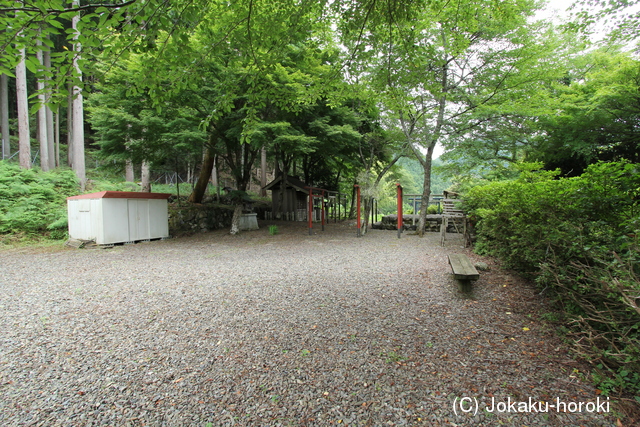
(462, 267)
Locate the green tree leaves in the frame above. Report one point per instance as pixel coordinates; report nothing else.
(595, 115)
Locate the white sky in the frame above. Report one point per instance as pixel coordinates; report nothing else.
(555, 10)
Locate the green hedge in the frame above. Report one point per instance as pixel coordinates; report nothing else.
(32, 202)
(579, 238)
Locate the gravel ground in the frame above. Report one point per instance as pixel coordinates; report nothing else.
(292, 329)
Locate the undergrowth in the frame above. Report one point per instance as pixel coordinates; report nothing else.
(579, 237)
(33, 203)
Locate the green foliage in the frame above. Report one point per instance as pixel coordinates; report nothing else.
(33, 202)
(273, 230)
(106, 185)
(393, 357)
(128, 128)
(579, 237)
(593, 113)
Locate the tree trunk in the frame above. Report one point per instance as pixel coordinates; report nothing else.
(42, 114)
(263, 172)
(214, 177)
(367, 212)
(49, 114)
(70, 126)
(368, 200)
(235, 221)
(4, 119)
(352, 209)
(145, 177)
(78, 109)
(23, 113)
(426, 194)
(129, 174)
(203, 179)
(57, 136)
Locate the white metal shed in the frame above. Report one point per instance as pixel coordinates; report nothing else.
(111, 217)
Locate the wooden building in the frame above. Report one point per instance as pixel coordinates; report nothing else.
(291, 205)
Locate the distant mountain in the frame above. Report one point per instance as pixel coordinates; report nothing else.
(414, 168)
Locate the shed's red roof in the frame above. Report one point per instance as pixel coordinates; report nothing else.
(120, 195)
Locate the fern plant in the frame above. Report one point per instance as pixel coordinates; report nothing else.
(33, 202)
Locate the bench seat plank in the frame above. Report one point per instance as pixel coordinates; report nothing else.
(462, 267)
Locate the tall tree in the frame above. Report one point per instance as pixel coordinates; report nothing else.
(78, 164)
(131, 132)
(43, 137)
(619, 19)
(24, 137)
(252, 58)
(4, 116)
(51, 133)
(451, 69)
(594, 113)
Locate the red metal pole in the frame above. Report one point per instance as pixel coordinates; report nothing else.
(358, 207)
(310, 211)
(400, 213)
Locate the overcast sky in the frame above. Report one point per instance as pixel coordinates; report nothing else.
(555, 9)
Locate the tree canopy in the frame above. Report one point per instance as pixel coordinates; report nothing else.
(331, 88)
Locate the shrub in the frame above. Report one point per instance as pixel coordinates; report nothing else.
(432, 210)
(33, 202)
(577, 237)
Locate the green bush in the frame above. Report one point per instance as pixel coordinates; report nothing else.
(579, 238)
(33, 202)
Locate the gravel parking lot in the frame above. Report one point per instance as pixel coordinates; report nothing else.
(291, 329)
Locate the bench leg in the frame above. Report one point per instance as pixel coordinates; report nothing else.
(465, 286)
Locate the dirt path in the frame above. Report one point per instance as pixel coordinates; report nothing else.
(291, 329)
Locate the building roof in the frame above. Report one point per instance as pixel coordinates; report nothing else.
(121, 195)
(292, 181)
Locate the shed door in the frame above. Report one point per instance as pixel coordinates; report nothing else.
(80, 223)
(138, 219)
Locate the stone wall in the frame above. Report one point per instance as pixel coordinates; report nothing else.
(390, 222)
(189, 218)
